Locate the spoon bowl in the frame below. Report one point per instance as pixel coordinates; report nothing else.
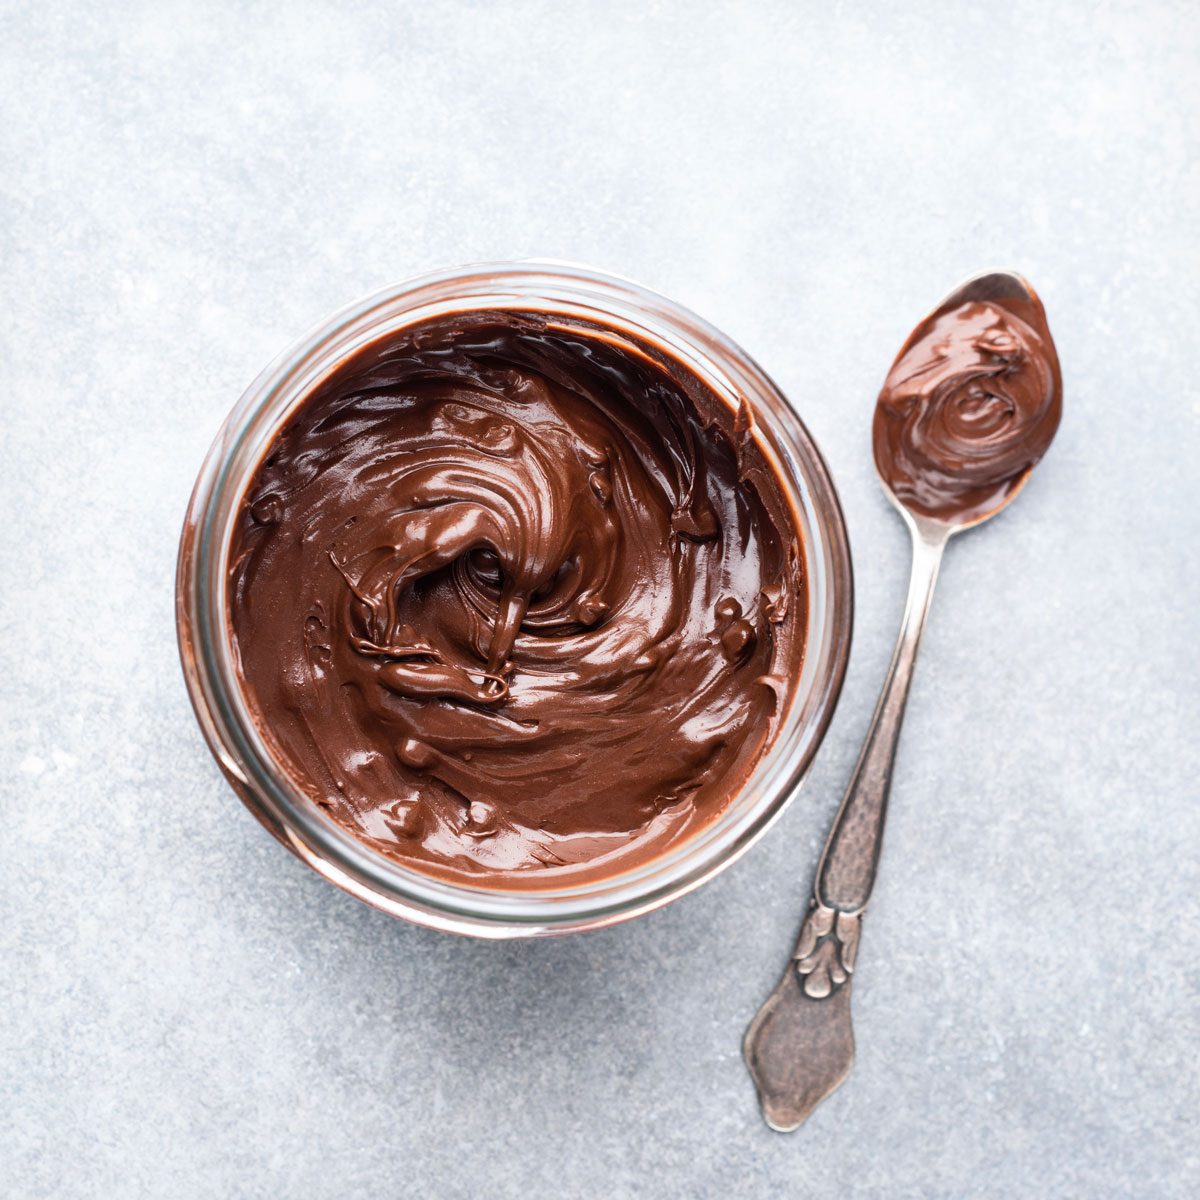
(990, 287)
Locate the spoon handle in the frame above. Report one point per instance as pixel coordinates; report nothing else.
(846, 872)
(800, 1046)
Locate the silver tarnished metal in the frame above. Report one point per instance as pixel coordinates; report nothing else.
(825, 952)
(800, 1046)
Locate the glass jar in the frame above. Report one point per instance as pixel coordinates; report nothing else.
(207, 652)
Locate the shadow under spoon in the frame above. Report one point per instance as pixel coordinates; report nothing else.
(979, 381)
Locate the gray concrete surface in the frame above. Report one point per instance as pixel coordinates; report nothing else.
(186, 1011)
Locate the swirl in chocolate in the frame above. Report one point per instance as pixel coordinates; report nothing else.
(969, 406)
(517, 599)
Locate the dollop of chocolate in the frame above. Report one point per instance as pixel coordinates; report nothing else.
(517, 599)
(970, 405)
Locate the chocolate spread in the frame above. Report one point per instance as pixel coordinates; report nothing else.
(517, 599)
(969, 406)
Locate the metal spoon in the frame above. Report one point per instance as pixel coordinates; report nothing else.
(800, 1046)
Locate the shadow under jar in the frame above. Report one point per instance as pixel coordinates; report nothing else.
(515, 600)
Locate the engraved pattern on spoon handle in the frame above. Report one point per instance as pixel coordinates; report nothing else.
(828, 945)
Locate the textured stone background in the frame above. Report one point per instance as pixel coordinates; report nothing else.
(188, 1012)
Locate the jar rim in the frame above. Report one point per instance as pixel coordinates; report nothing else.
(208, 658)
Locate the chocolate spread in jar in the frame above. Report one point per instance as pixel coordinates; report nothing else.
(969, 407)
(517, 600)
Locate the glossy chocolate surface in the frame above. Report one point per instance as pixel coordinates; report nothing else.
(517, 599)
(969, 406)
